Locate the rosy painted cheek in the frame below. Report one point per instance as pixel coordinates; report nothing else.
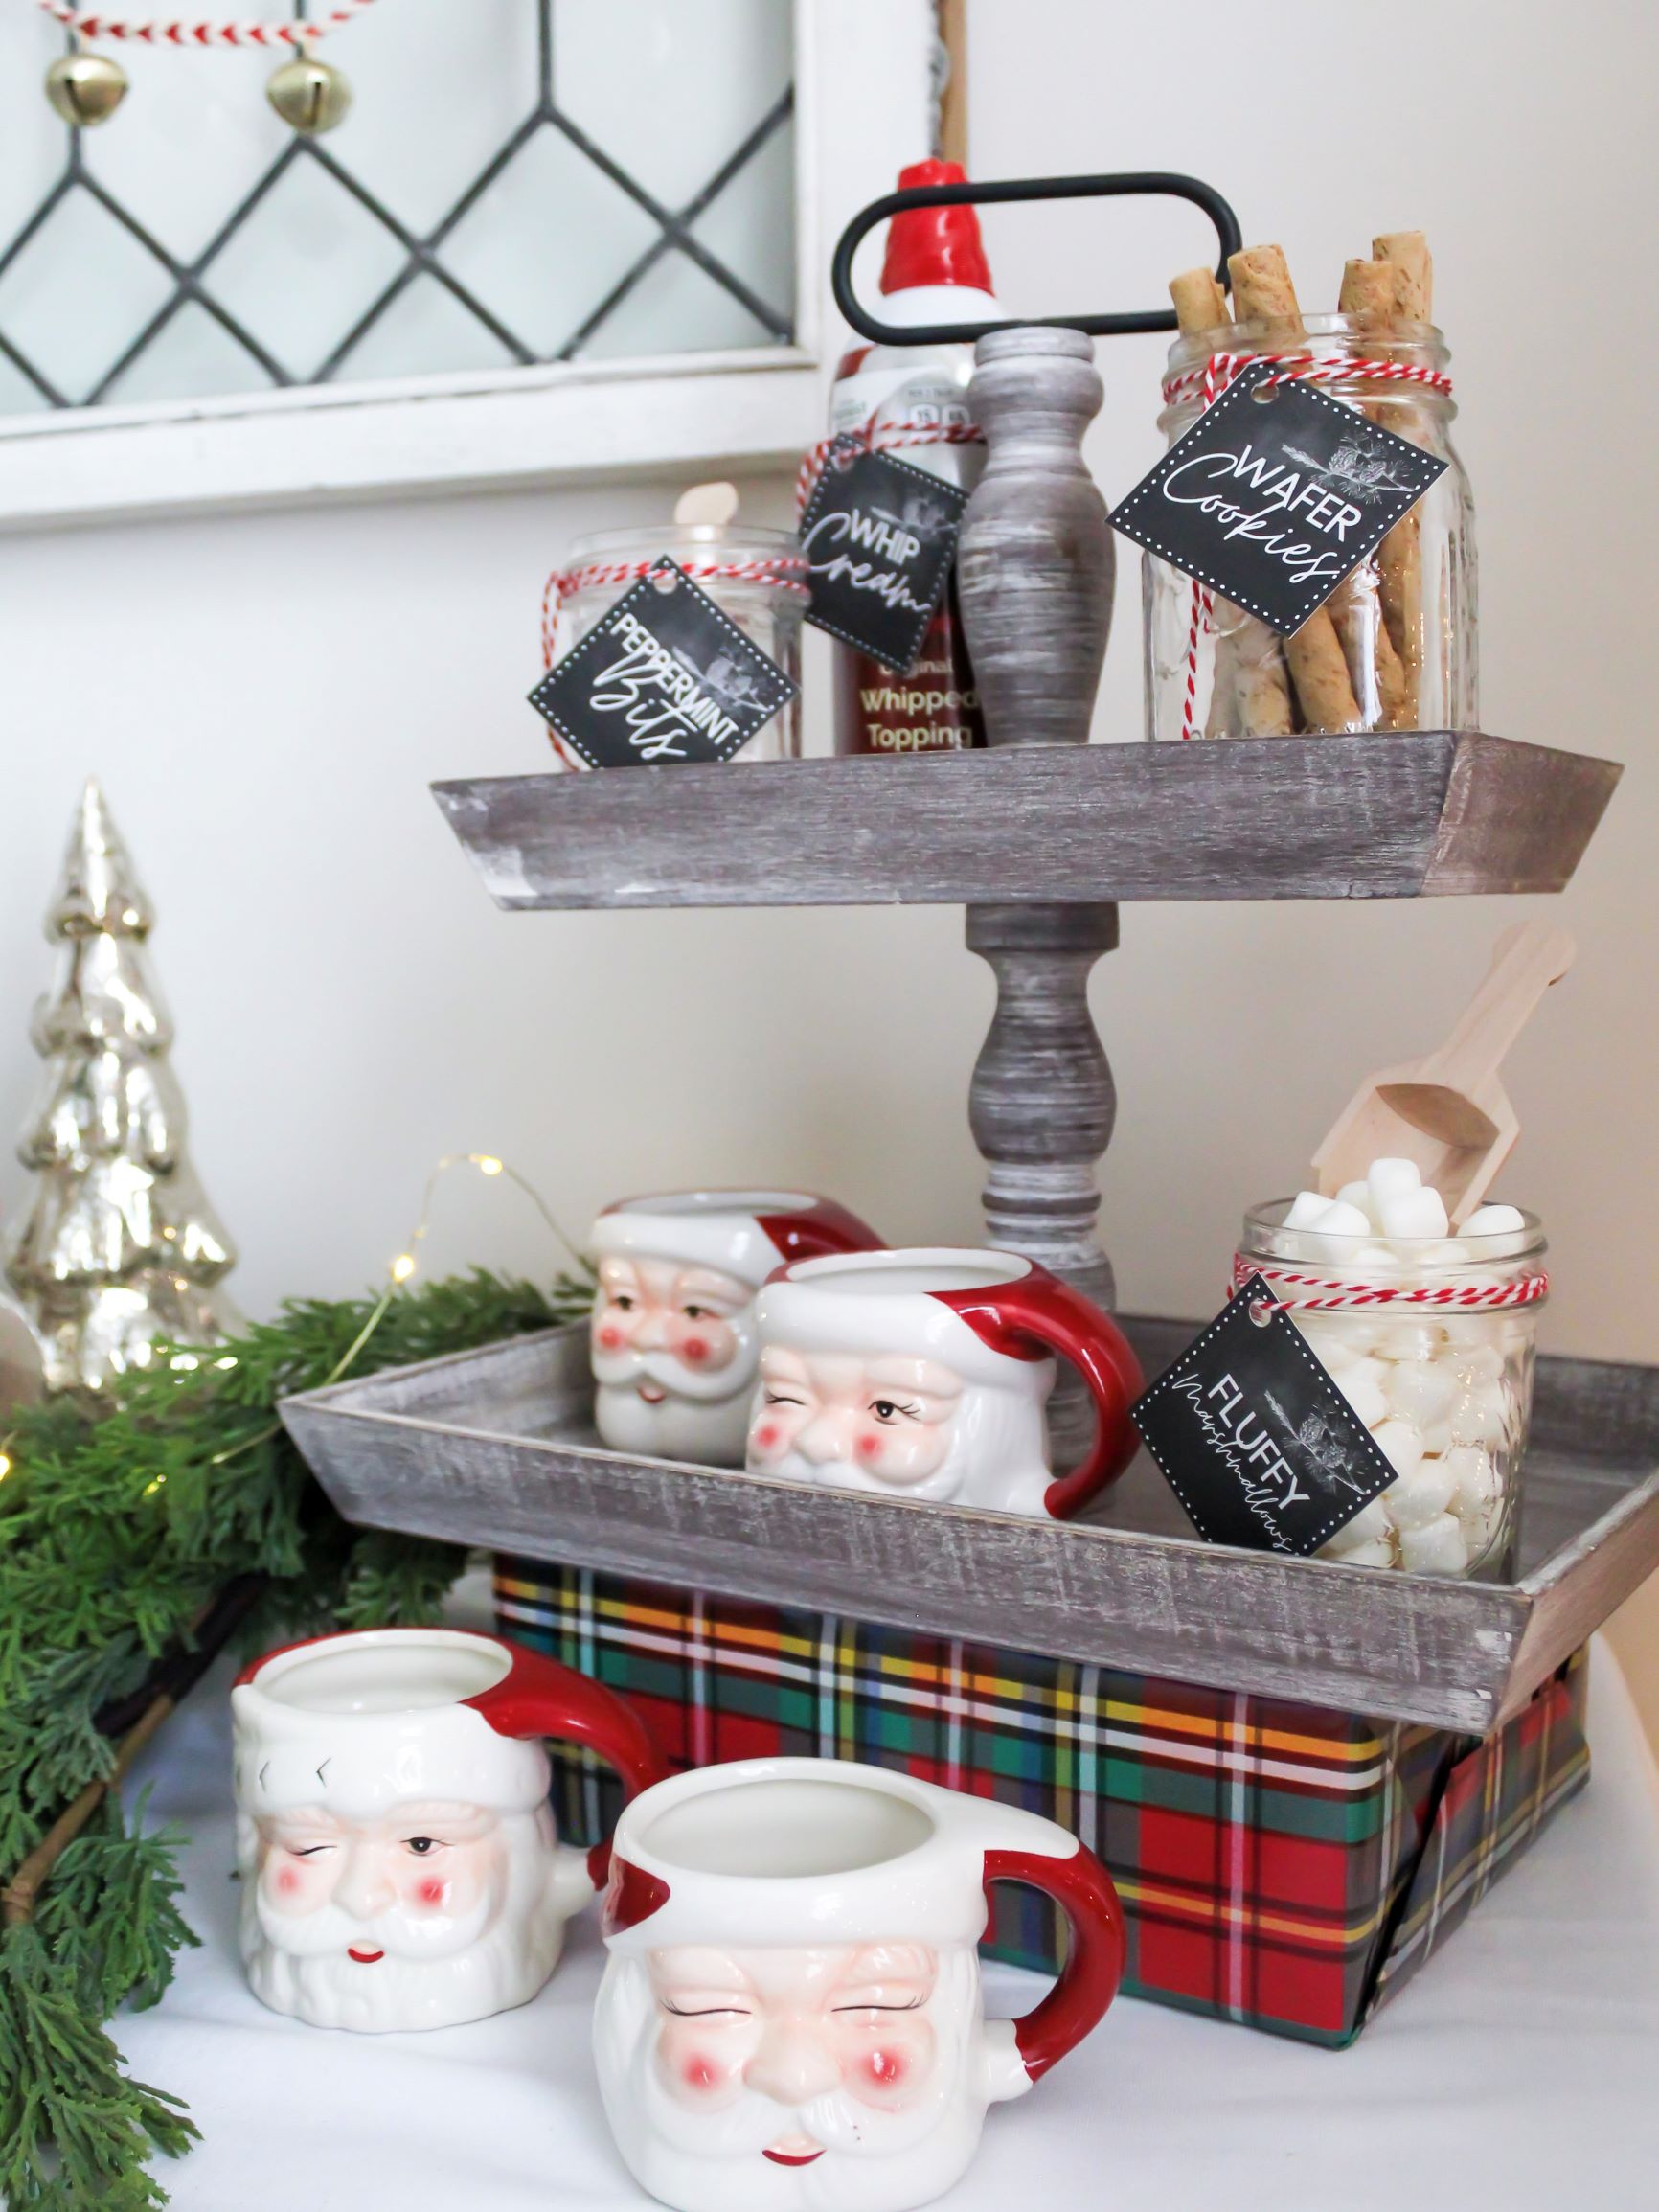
(891, 2068)
(695, 2074)
(611, 1338)
(766, 1437)
(294, 1888)
(706, 1344)
(431, 1894)
(869, 1448)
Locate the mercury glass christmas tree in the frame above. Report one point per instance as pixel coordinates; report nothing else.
(119, 1247)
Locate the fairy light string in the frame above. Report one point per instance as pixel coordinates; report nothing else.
(401, 1270)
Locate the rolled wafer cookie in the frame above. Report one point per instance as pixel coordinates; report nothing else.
(1368, 293)
(1406, 253)
(1262, 290)
(1200, 303)
(1250, 693)
(1400, 557)
(1319, 669)
(1369, 298)
(1374, 673)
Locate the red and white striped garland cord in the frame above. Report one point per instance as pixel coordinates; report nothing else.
(181, 31)
(1207, 384)
(1338, 1295)
(890, 436)
(782, 571)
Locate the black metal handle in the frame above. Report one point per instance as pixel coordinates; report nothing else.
(1154, 183)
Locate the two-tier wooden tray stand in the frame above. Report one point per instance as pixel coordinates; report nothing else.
(1040, 843)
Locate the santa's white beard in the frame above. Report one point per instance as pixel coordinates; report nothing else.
(997, 1458)
(490, 1960)
(713, 2161)
(703, 1418)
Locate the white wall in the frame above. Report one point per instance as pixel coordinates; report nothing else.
(266, 699)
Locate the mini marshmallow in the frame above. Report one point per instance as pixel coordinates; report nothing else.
(1420, 1496)
(1387, 1179)
(1329, 1342)
(1343, 1220)
(1361, 1385)
(1371, 1523)
(1420, 1391)
(1400, 1446)
(1378, 1260)
(1411, 1214)
(1479, 1498)
(1478, 1363)
(1358, 1195)
(1494, 1221)
(1374, 1552)
(1415, 1340)
(1305, 1210)
(1436, 1549)
(1481, 1415)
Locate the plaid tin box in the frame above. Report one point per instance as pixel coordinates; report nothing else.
(1280, 1866)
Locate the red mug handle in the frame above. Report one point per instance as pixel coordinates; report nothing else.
(542, 1696)
(1094, 1956)
(814, 1232)
(1038, 1313)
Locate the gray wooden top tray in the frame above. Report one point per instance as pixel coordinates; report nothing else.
(1397, 816)
(495, 1447)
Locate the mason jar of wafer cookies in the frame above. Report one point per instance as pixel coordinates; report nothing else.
(1394, 647)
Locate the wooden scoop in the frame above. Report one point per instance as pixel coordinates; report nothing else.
(1448, 1111)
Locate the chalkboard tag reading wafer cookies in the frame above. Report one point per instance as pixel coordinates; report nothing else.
(663, 676)
(1253, 1436)
(1275, 494)
(880, 537)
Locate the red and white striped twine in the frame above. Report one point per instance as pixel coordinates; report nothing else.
(181, 31)
(1302, 368)
(913, 430)
(781, 571)
(1340, 1296)
(1207, 384)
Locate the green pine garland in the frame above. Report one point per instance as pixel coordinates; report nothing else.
(118, 1528)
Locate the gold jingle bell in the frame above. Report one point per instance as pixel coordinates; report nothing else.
(85, 88)
(309, 96)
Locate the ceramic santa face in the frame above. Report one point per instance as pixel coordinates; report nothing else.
(926, 1375)
(398, 1859)
(792, 2015)
(673, 1320)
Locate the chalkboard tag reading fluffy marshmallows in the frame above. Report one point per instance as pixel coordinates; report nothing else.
(664, 675)
(1275, 495)
(879, 538)
(1255, 1439)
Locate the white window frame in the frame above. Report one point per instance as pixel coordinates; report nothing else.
(863, 95)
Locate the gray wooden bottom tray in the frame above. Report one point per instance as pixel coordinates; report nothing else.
(496, 1448)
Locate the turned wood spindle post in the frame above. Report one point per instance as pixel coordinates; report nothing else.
(1036, 568)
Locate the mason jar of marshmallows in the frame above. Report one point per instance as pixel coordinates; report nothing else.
(1430, 1338)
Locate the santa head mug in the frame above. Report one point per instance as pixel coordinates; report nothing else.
(791, 2015)
(398, 1859)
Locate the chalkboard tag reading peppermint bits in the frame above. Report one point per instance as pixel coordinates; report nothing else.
(1275, 494)
(880, 537)
(1253, 1436)
(663, 676)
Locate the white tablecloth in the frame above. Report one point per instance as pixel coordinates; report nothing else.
(1520, 2070)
